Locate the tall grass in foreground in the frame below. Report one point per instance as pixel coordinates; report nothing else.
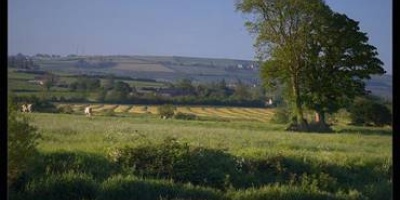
(142, 157)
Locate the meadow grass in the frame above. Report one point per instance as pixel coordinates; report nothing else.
(140, 156)
(97, 134)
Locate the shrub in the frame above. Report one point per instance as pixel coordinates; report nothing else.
(62, 186)
(281, 116)
(166, 110)
(185, 116)
(39, 105)
(22, 141)
(279, 192)
(130, 187)
(367, 112)
(66, 109)
(173, 160)
(62, 162)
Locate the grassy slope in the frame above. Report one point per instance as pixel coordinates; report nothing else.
(199, 69)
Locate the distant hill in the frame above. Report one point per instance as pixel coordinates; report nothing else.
(172, 68)
(381, 86)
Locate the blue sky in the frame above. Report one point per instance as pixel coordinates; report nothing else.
(197, 28)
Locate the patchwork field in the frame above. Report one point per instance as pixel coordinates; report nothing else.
(142, 67)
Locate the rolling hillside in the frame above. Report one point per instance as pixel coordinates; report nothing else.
(172, 68)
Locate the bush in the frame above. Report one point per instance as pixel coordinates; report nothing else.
(62, 186)
(279, 192)
(62, 162)
(281, 116)
(66, 109)
(185, 116)
(367, 112)
(166, 110)
(173, 160)
(22, 141)
(130, 187)
(38, 105)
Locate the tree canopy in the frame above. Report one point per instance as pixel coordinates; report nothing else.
(320, 57)
(339, 59)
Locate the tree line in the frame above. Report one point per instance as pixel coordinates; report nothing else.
(183, 92)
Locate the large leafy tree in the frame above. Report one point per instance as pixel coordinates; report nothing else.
(338, 60)
(320, 57)
(281, 28)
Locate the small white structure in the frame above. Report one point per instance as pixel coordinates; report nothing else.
(27, 108)
(269, 102)
(88, 111)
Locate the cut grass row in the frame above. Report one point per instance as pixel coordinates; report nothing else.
(257, 114)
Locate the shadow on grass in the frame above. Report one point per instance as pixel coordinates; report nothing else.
(366, 131)
(179, 164)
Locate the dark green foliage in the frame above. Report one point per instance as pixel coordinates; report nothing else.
(38, 104)
(368, 112)
(339, 61)
(119, 92)
(173, 160)
(379, 190)
(121, 86)
(185, 116)
(85, 83)
(241, 91)
(63, 186)
(130, 188)
(281, 116)
(210, 172)
(78, 162)
(21, 144)
(186, 85)
(280, 192)
(166, 110)
(66, 109)
(217, 169)
(320, 57)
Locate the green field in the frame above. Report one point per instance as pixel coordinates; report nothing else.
(126, 151)
(239, 137)
(351, 163)
(20, 83)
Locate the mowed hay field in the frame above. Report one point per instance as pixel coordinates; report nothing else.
(133, 154)
(223, 113)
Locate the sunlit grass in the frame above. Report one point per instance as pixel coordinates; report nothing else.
(100, 133)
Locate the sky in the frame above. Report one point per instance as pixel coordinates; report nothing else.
(195, 28)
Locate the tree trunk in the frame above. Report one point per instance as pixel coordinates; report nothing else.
(320, 125)
(317, 117)
(301, 123)
(321, 117)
